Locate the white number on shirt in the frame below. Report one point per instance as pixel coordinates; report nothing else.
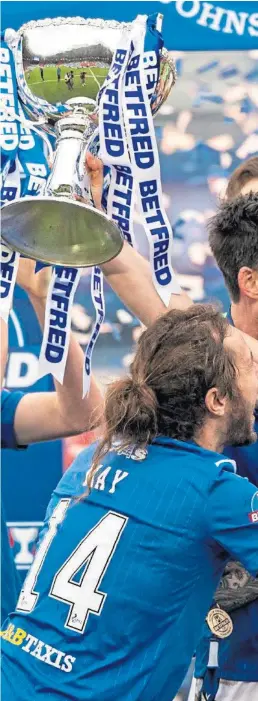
(93, 553)
(28, 597)
(92, 556)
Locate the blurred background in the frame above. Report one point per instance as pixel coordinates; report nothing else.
(208, 125)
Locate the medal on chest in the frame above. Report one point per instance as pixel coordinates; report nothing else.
(219, 622)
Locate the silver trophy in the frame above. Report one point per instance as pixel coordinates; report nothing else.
(61, 65)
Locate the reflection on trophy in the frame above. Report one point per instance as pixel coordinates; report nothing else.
(62, 64)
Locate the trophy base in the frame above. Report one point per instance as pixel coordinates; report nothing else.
(59, 231)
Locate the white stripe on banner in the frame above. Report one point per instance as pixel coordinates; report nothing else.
(141, 139)
(9, 259)
(10, 176)
(57, 329)
(121, 200)
(120, 176)
(113, 145)
(97, 295)
(9, 269)
(128, 145)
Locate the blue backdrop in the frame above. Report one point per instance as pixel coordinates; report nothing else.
(188, 25)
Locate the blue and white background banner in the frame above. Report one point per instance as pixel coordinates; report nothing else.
(189, 25)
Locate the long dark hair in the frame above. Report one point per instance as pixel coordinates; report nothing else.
(178, 359)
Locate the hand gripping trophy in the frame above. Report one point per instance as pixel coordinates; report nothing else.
(55, 228)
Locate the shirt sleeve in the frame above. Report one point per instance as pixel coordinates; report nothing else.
(9, 403)
(233, 517)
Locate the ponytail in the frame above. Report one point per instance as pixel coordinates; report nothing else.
(130, 414)
(178, 359)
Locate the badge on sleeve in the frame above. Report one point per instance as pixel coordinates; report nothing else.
(219, 622)
(253, 515)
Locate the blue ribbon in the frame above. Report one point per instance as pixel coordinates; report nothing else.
(10, 128)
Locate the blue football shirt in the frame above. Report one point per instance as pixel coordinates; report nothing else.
(114, 602)
(9, 576)
(238, 654)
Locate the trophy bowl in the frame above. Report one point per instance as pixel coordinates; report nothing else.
(52, 237)
(61, 65)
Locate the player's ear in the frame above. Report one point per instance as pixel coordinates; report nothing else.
(215, 403)
(248, 282)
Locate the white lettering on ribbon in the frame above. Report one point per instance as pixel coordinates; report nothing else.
(128, 144)
(8, 274)
(9, 132)
(145, 166)
(113, 146)
(97, 295)
(113, 152)
(56, 336)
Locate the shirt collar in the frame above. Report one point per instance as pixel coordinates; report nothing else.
(191, 447)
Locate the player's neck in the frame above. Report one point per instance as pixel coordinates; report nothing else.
(210, 438)
(245, 316)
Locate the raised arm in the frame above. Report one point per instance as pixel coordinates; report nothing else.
(129, 274)
(48, 415)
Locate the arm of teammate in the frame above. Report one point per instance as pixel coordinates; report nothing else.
(129, 274)
(233, 518)
(9, 400)
(236, 588)
(45, 416)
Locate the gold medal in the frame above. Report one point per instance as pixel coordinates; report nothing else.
(219, 622)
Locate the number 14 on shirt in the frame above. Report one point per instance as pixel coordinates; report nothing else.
(94, 552)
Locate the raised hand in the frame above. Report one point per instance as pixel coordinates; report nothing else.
(94, 167)
(35, 285)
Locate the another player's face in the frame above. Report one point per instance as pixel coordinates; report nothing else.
(240, 414)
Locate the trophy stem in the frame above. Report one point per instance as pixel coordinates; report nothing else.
(69, 145)
(60, 182)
